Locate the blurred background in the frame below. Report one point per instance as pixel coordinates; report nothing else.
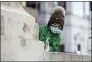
(76, 35)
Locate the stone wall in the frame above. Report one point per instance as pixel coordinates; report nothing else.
(58, 56)
(19, 37)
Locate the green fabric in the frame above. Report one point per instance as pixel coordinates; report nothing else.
(54, 39)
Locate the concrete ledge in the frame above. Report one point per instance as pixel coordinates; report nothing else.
(58, 56)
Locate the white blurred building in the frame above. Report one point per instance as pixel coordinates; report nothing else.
(77, 28)
(76, 35)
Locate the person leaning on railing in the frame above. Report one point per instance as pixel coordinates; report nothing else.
(51, 33)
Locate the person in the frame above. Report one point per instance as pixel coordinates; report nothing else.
(51, 33)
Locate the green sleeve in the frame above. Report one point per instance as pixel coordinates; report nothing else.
(55, 42)
(42, 32)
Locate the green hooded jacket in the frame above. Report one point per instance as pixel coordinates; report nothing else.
(54, 39)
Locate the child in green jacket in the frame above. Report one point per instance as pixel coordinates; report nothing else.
(51, 34)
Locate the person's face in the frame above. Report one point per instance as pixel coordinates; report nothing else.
(55, 28)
